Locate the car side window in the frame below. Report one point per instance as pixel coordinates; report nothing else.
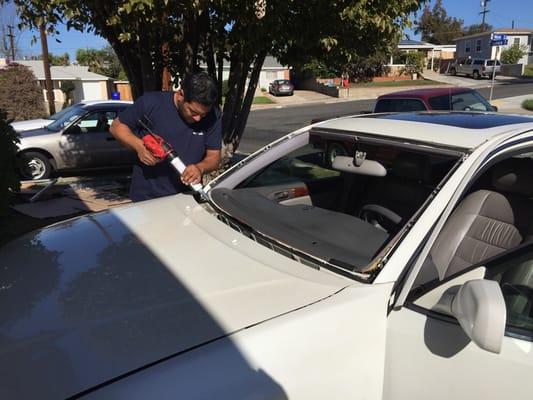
(96, 121)
(468, 102)
(303, 165)
(512, 270)
(514, 274)
(399, 105)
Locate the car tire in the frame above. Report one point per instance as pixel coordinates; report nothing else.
(453, 71)
(35, 165)
(476, 75)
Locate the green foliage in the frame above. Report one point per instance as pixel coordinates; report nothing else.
(528, 104)
(437, 27)
(149, 35)
(477, 28)
(414, 63)
(319, 69)
(225, 88)
(363, 69)
(20, 94)
(9, 177)
(103, 61)
(513, 54)
(62, 60)
(528, 70)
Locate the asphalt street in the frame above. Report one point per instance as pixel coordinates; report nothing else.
(266, 125)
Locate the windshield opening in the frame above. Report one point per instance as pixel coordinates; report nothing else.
(318, 201)
(70, 114)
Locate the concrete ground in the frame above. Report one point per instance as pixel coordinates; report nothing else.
(513, 105)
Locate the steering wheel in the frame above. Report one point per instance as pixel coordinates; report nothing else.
(381, 217)
(467, 108)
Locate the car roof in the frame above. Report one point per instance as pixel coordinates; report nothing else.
(97, 104)
(464, 130)
(92, 104)
(425, 93)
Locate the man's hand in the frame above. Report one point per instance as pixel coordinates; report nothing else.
(146, 156)
(191, 175)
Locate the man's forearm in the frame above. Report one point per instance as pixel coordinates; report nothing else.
(211, 162)
(124, 135)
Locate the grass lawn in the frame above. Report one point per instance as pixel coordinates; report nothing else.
(528, 70)
(418, 82)
(528, 104)
(262, 100)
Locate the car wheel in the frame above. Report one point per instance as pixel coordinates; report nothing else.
(334, 149)
(476, 75)
(453, 72)
(35, 165)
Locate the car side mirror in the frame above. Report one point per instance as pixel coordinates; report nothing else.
(479, 307)
(493, 108)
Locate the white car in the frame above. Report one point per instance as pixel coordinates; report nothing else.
(403, 270)
(39, 123)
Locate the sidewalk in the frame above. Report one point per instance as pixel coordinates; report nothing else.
(512, 105)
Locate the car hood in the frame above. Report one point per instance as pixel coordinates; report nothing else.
(21, 126)
(36, 132)
(90, 299)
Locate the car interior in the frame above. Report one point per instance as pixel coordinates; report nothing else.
(344, 211)
(491, 226)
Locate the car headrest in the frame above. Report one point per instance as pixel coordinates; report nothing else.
(514, 175)
(413, 167)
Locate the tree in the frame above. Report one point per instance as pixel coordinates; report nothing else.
(437, 27)
(149, 36)
(477, 28)
(9, 177)
(103, 61)
(62, 60)
(20, 94)
(513, 54)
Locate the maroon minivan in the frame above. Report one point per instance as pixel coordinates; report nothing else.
(438, 99)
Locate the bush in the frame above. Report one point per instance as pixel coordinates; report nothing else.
(414, 63)
(513, 54)
(9, 177)
(528, 104)
(20, 94)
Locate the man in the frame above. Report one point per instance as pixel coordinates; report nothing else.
(188, 120)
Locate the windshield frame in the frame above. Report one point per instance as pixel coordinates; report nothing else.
(67, 119)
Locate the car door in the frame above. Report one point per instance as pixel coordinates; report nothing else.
(428, 353)
(430, 356)
(88, 144)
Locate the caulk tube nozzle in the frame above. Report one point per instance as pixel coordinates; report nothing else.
(178, 164)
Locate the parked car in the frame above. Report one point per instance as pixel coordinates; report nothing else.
(281, 86)
(78, 140)
(401, 271)
(477, 68)
(21, 126)
(440, 99)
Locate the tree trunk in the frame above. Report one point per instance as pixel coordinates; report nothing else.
(248, 100)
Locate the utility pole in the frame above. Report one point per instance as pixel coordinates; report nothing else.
(11, 41)
(47, 75)
(484, 4)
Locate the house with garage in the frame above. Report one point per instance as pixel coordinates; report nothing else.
(87, 85)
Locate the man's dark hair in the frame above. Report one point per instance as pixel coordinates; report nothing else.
(199, 87)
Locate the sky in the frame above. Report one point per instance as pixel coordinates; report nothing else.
(501, 14)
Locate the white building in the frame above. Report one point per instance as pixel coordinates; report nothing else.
(87, 85)
(479, 45)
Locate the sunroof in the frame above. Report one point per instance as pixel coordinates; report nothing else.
(459, 119)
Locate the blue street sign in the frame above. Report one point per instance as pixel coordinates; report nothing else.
(498, 42)
(497, 39)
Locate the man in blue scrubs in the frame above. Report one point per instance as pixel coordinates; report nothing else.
(189, 120)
